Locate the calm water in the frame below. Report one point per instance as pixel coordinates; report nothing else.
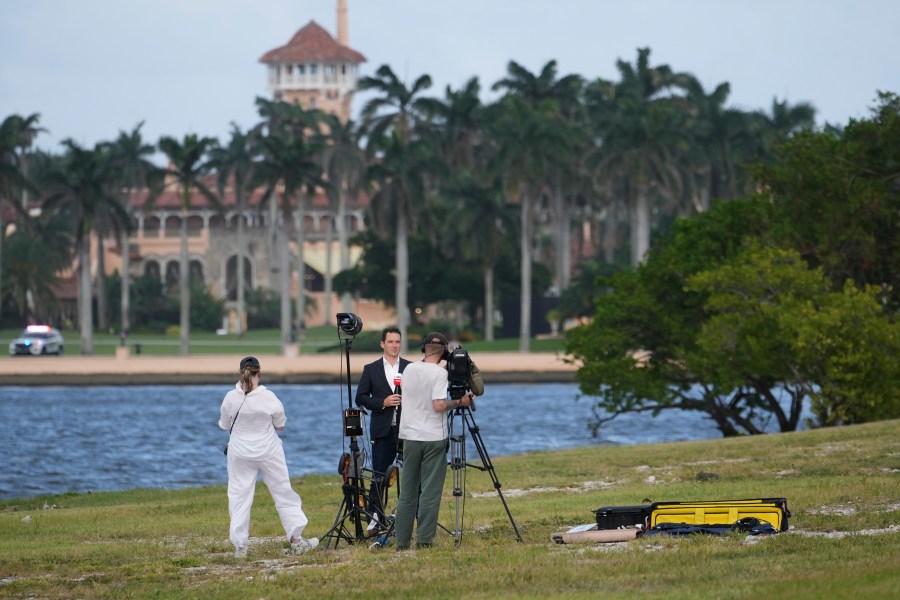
(79, 439)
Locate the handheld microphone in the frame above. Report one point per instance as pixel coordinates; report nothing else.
(398, 378)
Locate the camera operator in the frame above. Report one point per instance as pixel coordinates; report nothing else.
(424, 431)
(376, 392)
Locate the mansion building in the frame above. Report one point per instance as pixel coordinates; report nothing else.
(314, 70)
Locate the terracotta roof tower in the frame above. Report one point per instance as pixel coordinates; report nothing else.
(314, 69)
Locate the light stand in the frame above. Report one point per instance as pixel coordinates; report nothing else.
(458, 465)
(354, 506)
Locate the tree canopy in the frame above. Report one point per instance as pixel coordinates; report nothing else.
(745, 311)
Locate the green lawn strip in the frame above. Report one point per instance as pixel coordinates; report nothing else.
(842, 485)
(263, 341)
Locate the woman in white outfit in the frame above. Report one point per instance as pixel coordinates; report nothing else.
(253, 414)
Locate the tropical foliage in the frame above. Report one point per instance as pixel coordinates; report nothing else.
(744, 311)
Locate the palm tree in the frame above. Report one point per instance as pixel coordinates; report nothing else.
(188, 164)
(27, 131)
(640, 129)
(16, 135)
(458, 122)
(345, 167)
(104, 225)
(389, 120)
(487, 221)
(535, 88)
(131, 155)
(311, 124)
(38, 250)
(527, 139)
(456, 133)
(81, 187)
(290, 149)
(237, 162)
(397, 205)
(108, 224)
(785, 120)
(724, 142)
(534, 129)
(396, 107)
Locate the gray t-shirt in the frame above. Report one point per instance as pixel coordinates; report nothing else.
(422, 384)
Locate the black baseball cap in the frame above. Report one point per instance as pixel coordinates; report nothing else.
(249, 361)
(435, 337)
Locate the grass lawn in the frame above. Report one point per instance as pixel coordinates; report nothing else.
(262, 341)
(842, 486)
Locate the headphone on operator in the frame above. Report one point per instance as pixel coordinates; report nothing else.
(429, 339)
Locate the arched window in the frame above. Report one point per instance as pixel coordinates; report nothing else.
(217, 221)
(196, 271)
(151, 226)
(194, 226)
(151, 269)
(173, 269)
(172, 226)
(231, 278)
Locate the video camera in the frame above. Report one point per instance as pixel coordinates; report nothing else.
(457, 372)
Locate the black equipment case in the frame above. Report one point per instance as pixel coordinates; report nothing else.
(617, 517)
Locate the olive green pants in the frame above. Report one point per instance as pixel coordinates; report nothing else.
(421, 485)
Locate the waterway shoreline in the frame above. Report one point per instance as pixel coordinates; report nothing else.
(500, 367)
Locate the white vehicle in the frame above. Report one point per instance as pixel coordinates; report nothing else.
(37, 339)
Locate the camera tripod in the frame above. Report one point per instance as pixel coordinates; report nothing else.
(458, 464)
(356, 504)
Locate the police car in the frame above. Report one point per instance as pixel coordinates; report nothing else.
(37, 339)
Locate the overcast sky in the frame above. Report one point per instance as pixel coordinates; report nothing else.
(94, 67)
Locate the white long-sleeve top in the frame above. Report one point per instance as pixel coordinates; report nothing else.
(253, 436)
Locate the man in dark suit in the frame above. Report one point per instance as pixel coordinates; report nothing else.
(377, 393)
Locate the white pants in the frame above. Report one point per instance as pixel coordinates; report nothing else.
(241, 486)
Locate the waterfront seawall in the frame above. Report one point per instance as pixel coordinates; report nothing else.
(499, 367)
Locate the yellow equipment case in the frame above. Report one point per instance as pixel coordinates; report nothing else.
(721, 512)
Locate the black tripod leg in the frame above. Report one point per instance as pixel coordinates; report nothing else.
(457, 464)
(352, 508)
(488, 466)
(458, 467)
(338, 530)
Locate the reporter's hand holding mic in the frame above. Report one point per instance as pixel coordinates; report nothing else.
(394, 399)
